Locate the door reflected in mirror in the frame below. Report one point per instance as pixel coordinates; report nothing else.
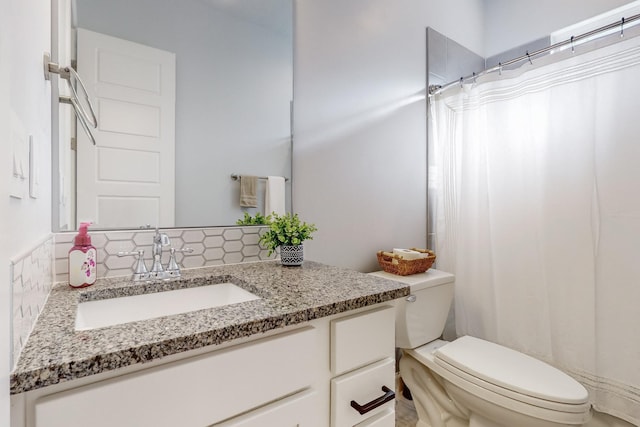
(165, 156)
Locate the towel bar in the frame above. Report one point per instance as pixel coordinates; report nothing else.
(86, 119)
(235, 177)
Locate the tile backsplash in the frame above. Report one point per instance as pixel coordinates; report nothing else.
(31, 282)
(211, 246)
(34, 272)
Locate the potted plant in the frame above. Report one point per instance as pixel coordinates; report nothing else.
(287, 232)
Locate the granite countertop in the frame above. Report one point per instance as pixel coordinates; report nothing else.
(55, 352)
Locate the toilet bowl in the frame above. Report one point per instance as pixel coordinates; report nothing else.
(470, 382)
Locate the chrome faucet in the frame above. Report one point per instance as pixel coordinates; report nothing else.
(158, 271)
(159, 241)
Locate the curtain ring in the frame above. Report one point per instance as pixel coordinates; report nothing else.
(529, 58)
(622, 27)
(475, 78)
(573, 48)
(499, 68)
(461, 82)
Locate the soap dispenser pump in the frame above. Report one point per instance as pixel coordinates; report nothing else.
(82, 259)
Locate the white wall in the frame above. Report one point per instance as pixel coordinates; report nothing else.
(360, 120)
(24, 37)
(511, 23)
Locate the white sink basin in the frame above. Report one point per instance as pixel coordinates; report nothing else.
(115, 311)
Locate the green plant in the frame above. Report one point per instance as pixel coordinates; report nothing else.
(259, 219)
(286, 230)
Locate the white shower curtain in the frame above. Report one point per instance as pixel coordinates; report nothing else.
(537, 186)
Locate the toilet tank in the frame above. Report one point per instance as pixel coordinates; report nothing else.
(421, 317)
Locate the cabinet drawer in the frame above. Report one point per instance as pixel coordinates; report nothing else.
(385, 419)
(198, 391)
(298, 410)
(362, 339)
(362, 386)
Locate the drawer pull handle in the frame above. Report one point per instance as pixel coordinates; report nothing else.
(388, 396)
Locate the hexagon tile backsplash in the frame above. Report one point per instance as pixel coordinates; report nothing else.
(211, 246)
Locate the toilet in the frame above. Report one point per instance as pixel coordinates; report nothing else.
(470, 382)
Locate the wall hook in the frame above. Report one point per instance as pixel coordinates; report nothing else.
(529, 58)
(499, 68)
(461, 82)
(622, 27)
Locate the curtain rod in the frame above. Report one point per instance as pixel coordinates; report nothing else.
(435, 89)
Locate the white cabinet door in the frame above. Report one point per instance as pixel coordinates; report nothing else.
(195, 392)
(127, 178)
(295, 411)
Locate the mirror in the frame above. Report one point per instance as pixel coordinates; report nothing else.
(232, 109)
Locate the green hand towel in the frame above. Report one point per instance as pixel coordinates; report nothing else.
(248, 189)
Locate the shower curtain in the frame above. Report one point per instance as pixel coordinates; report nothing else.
(536, 178)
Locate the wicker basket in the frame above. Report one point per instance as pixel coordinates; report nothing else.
(395, 264)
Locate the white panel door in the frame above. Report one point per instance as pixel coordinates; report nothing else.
(128, 178)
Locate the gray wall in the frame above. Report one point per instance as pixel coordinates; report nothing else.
(360, 162)
(234, 86)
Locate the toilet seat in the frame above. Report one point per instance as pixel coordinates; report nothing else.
(506, 377)
(513, 373)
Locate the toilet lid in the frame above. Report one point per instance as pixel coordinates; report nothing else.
(510, 370)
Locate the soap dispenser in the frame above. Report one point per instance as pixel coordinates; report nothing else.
(82, 259)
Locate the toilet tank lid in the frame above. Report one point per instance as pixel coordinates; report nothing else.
(511, 369)
(428, 279)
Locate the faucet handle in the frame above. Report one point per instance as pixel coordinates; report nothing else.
(172, 267)
(188, 250)
(140, 271)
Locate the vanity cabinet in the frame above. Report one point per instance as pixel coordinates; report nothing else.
(301, 376)
(363, 365)
(198, 391)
